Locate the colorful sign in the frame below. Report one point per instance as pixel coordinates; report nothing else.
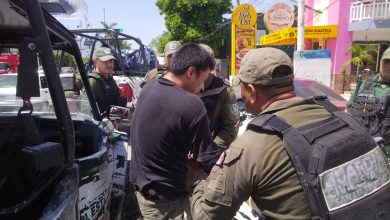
(288, 36)
(244, 16)
(278, 17)
(244, 19)
(312, 54)
(313, 64)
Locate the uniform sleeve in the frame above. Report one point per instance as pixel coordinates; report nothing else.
(95, 87)
(149, 76)
(202, 147)
(226, 188)
(230, 117)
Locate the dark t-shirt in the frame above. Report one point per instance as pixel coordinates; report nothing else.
(168, 123)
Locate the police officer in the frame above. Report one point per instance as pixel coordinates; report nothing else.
(169, 49)
(221, 104)
(103, 85)
(370, 105)
(257, 163)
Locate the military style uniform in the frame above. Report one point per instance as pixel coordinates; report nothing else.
(372, 93)
(106, 91)
(220, 102)
(222, 110)
(380, 89)
(160, 71)
(272, 181)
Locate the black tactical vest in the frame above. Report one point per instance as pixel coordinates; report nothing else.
(372, 111)
(210, 99)
(343, 173)
(110, 92)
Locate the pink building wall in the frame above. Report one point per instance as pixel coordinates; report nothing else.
(338, 13)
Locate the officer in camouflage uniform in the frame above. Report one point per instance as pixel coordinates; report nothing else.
(103, 85)
(220, 101)
(371, 103)
(256, 164)
(169, 49)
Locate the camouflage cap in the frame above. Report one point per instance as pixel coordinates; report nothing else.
(171, 47)
(386, 54)
(103, 54)
(257, 67)
(208, 49)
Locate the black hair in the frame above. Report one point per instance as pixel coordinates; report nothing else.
(190, 54)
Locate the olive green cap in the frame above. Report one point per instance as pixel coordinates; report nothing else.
(257, 67)
(171, 47)
(103, 54)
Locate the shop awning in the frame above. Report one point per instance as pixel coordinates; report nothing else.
(288, 36)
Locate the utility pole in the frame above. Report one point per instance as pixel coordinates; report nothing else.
(301, 28)
(104, 15)
(238, 2)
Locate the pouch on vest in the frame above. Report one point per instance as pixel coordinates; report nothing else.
(370, 110)
(343, 173)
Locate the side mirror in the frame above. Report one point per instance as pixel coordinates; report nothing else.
(117, 112)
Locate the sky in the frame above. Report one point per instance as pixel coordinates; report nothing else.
(138, 18)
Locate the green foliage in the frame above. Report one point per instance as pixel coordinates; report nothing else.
(68, 60)
(194, 21)
(361, 55)
(108, 35)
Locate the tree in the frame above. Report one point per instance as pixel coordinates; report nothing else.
(361, 55)
(160, 41)
(108, 27)
(123, 44)
(194, 21)
(68, 60)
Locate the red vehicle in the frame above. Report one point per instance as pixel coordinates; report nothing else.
(8, 63)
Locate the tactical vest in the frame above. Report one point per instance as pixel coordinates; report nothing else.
(343, 173)
(210, 99)
(371, 110)
(110, 92)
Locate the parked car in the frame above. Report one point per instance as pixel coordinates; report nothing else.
(61, 159)
(8, 85)
(303, 88)
(307, 87)
(4, 68)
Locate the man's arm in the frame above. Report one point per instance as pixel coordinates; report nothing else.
(203, 149)
(95, 87)
(149, 76)
(229, 118)
(226, 188)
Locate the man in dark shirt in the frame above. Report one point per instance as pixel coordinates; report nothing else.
(170, 123)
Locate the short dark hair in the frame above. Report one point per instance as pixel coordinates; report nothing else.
(190, 54)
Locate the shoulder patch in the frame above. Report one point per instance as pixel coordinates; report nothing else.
(233, 109)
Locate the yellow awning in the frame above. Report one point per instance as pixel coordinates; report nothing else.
(288, 36)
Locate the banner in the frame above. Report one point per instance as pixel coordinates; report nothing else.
(288, 36)
(244, 19)
(313, 64)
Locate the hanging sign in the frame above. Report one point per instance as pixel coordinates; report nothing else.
(279, 16)
(244, 23)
